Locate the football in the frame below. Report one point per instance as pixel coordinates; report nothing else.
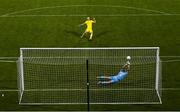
(128, 57)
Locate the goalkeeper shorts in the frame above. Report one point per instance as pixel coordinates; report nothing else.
(89, 30)
(118, 78)
(114, 79)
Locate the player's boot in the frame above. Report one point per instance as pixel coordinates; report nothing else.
(100, 77)
(99, 82)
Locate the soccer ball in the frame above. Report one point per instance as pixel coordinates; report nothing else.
(128, 57)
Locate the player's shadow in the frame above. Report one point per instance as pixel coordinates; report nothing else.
(103, 33)
(77, 34)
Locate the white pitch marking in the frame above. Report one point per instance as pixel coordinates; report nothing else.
(7, 61)
(168, 61)
(100, 15)
(14, 90)
(8, 90)
(103, 89)
(65, 6)
(170, 56)
(8, 57)
(173, 89)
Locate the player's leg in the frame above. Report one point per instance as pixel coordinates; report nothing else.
(113, 79)
(91, 35)
(105, 82)
(103, 77)
(83, 34)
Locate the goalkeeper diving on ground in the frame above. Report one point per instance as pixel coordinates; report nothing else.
(89, 23)
(118, 77)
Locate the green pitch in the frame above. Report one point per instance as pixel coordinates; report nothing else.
(44, 23)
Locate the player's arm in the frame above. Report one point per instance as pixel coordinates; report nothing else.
(94, 20)
(126, 66)
(82, 24)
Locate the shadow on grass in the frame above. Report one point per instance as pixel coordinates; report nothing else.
(85, 40)
(78, 34)
(75, 33)
(103, 33)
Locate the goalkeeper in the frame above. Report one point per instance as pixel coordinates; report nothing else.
(88, 23)
(117, 78)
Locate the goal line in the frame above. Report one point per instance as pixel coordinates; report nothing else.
(90, 89)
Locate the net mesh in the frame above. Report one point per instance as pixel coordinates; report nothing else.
(138, 86)
(59, 76)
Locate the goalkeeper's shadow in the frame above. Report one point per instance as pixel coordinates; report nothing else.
(102, 33)
(75, 33)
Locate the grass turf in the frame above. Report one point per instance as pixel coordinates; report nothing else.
(110, 31)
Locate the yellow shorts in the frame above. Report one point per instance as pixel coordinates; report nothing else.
(89, 30)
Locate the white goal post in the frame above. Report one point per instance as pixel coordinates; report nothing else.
(68, 76)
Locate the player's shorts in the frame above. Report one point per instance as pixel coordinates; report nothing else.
(114, 79)
(89, 30)
(118, 78)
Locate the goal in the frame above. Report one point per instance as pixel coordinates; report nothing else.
(68, 76)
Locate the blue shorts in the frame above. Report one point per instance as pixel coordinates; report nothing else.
(121, 75)
(114, 79)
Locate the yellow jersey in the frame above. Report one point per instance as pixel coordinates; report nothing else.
(89, 25)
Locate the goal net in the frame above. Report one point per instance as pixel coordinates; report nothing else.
(63, 76)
